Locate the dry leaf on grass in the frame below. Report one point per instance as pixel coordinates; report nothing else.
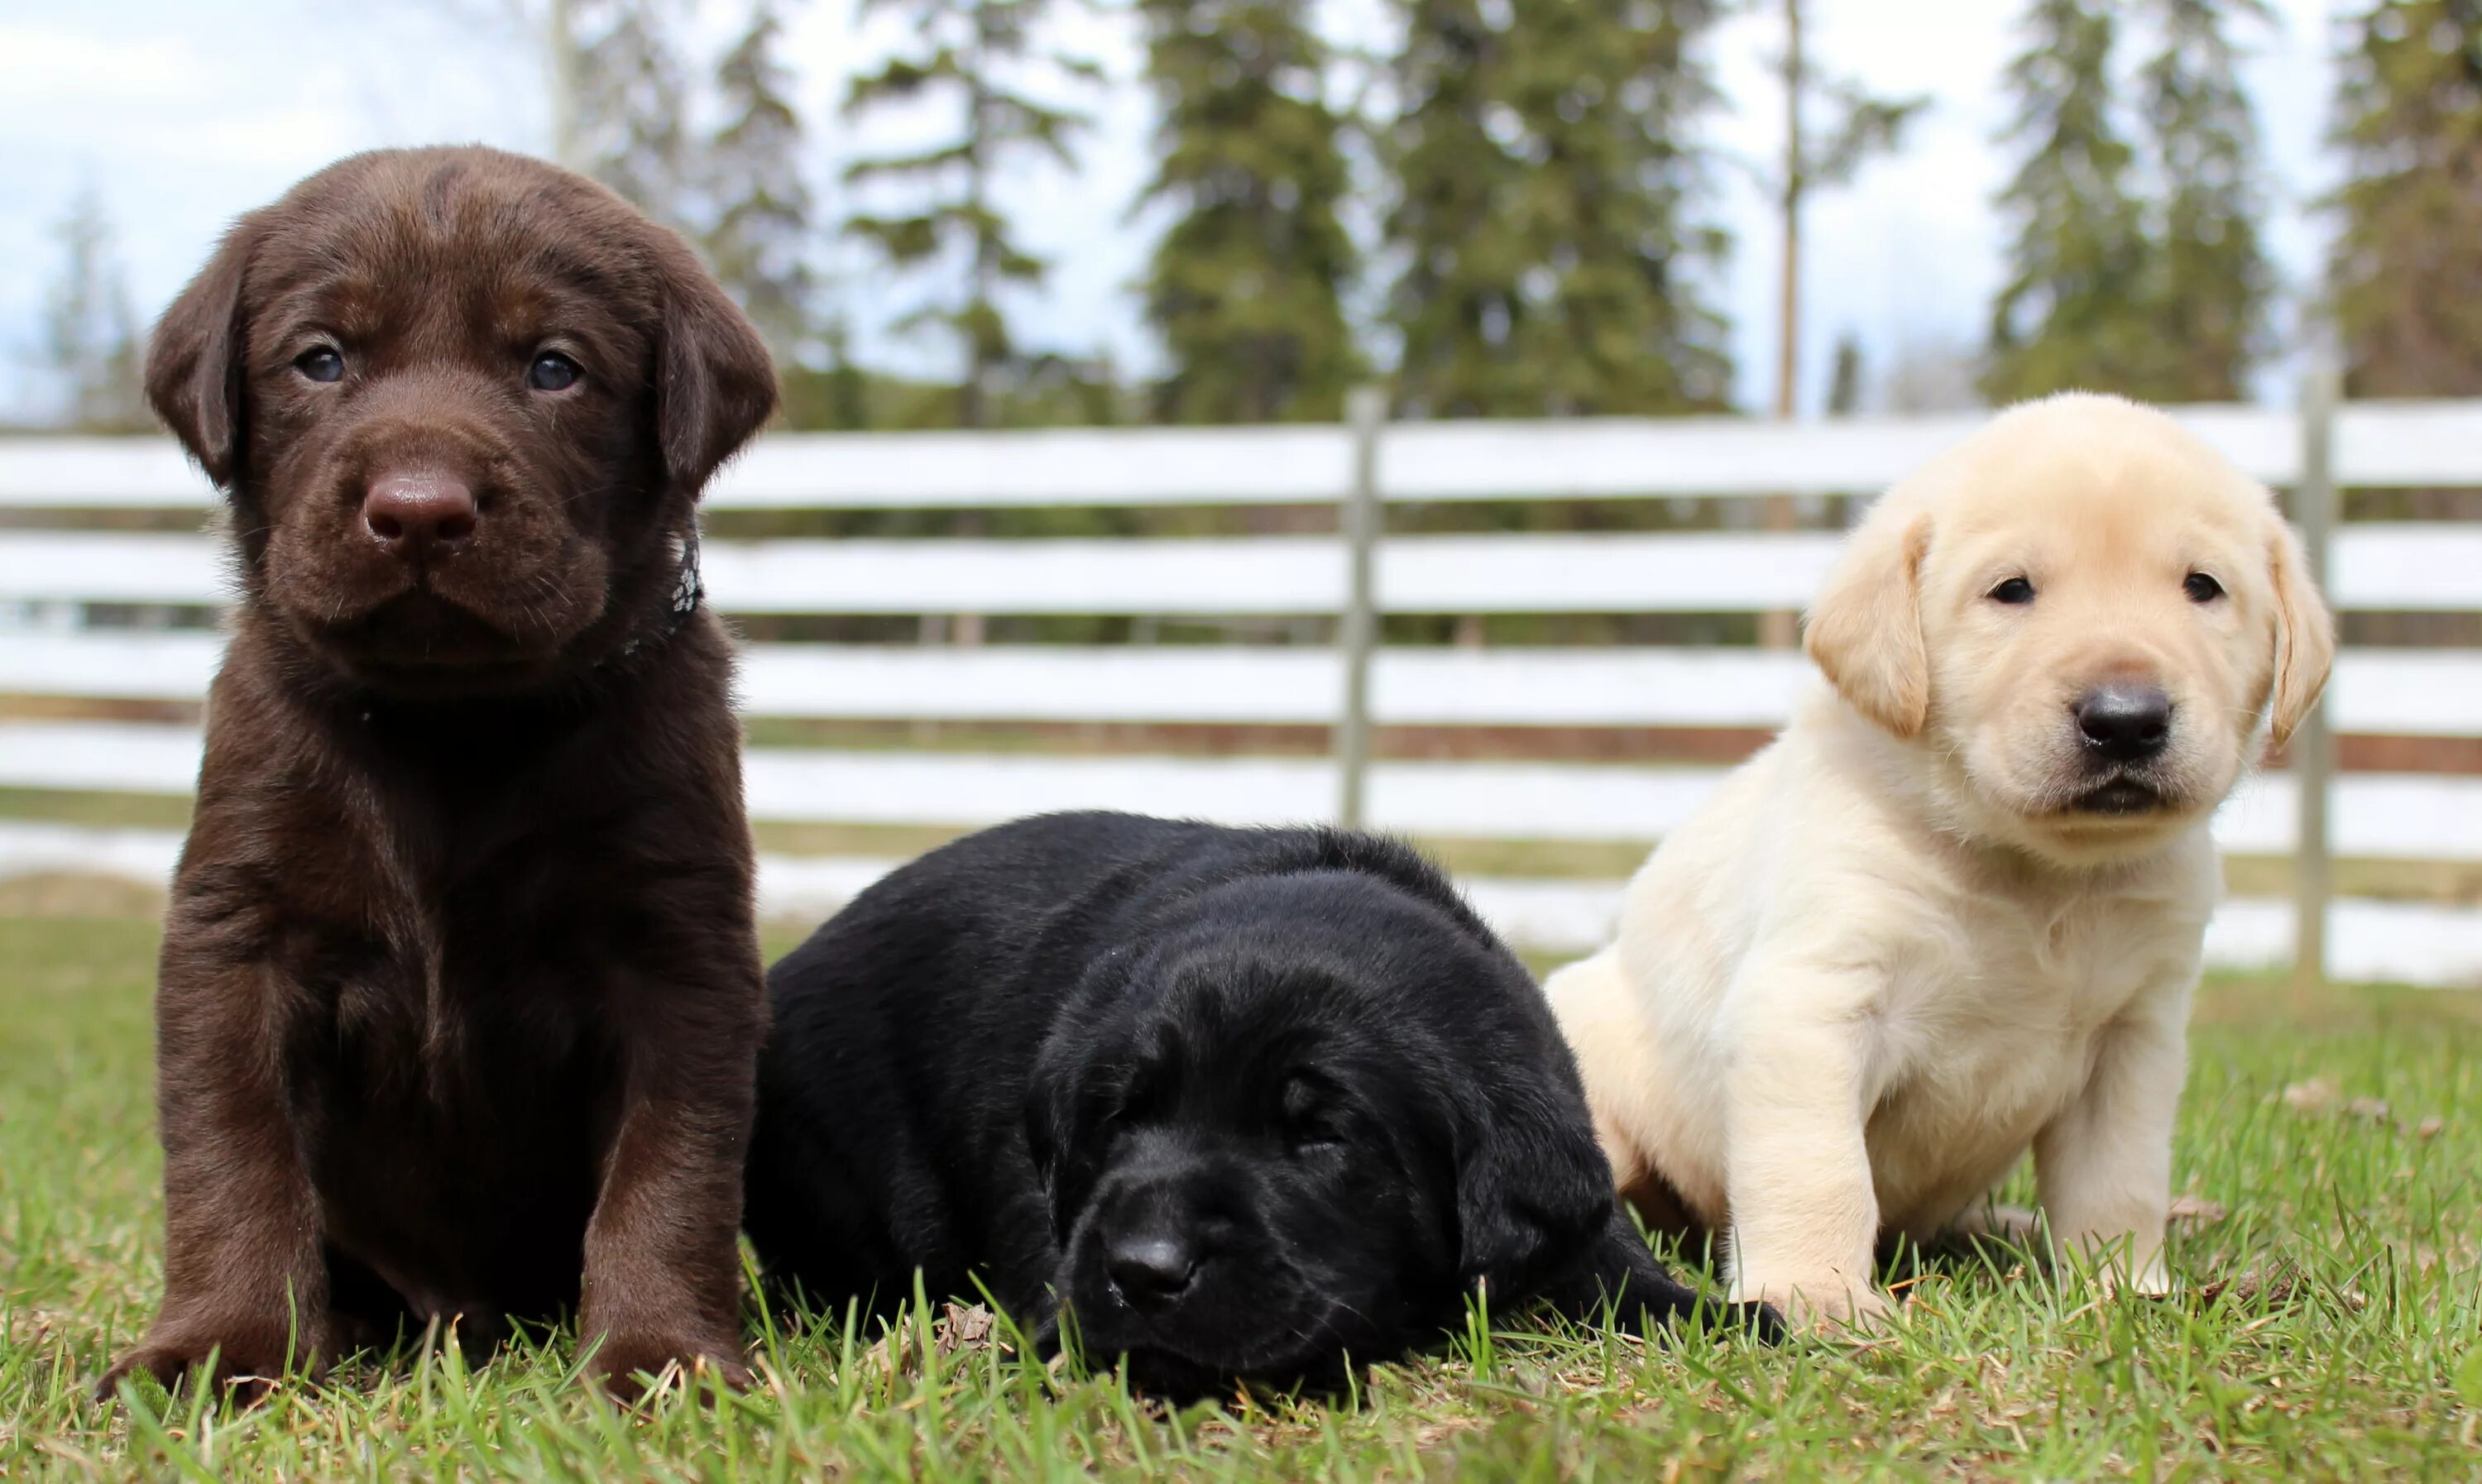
(959, 1327)
(2278, 1286)
(2251, 1285)
(965, 1327)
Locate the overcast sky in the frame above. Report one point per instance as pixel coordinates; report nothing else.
(184, 113)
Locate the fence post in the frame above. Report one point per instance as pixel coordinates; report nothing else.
(1365, 413)
(2314, 744)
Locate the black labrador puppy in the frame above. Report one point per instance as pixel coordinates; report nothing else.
(1234, 1103)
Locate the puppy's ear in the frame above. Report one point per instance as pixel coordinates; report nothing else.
(1865, 630)
(194, 373)
(1054, 1114)
(714, 384)
(1533, 1193)
(2305, 635)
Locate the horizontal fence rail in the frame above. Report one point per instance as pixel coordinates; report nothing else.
(2401, 567)
(2421, 693)
(96, 622)
(2378, 815)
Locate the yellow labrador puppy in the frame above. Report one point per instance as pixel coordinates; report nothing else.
(1955, 910)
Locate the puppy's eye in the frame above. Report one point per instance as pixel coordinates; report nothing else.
(320, 363)
(1307, 1119)
(2201, 589)
(2013, 592)
(552, 371)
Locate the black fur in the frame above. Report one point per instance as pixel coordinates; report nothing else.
(1079, 1054)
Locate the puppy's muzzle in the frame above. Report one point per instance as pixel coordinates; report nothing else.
(2124, 730)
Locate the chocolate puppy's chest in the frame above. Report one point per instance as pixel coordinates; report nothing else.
(460, 1072)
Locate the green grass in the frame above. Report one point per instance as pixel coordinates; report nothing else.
(2330, 1327)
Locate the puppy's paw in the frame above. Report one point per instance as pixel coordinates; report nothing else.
(2153, 1281)
(243, 1357)
(1825, 1305)
(1761, 1322)
(631, 1366)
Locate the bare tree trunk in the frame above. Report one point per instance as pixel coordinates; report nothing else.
(560, 50)
(1781, 631)
(973, 405)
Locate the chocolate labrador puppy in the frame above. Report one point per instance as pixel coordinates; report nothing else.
(459, 997)
(1238, 1103)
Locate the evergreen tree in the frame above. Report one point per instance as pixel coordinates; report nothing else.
(2075, 310)
(620, 92)
(759, 242)
(1454, 305)
(1246, 286)
(2407, 274)
(1550, 183)
(978, 54)
(90, 339)
(2211, 279)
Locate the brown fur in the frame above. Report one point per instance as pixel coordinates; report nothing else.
(460, 994)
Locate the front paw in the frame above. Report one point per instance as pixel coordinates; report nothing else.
(631, 1366)
(1828, 1303)
(245, 1357)
(2153, 1280)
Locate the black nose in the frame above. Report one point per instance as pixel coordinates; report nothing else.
(1151, 1269)
(2124, 721)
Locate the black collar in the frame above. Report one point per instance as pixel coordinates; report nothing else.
(688, 590)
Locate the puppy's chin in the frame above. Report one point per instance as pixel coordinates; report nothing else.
(2123, 796)
(1177, 1357)
(417, 642)
(2096, 821)
(1263, 1320)
(1172, 1377)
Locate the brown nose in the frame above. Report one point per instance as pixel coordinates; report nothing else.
(418, 515)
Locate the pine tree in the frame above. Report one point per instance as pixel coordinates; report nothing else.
(90, 339)
(2075, 310)
(972, 53)
(1246, 286)
(2212, 279)
(1549, 189)
(759, 242)
(621, 94)
(2407, 274)
(1454, 305)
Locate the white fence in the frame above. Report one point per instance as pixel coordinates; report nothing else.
(90, 620)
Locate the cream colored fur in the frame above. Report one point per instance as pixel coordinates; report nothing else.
(1888, 956)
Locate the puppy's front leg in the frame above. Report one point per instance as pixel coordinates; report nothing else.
(1804, 1213)
(663, 1274)
(245, 1279)
(2103, 1166)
